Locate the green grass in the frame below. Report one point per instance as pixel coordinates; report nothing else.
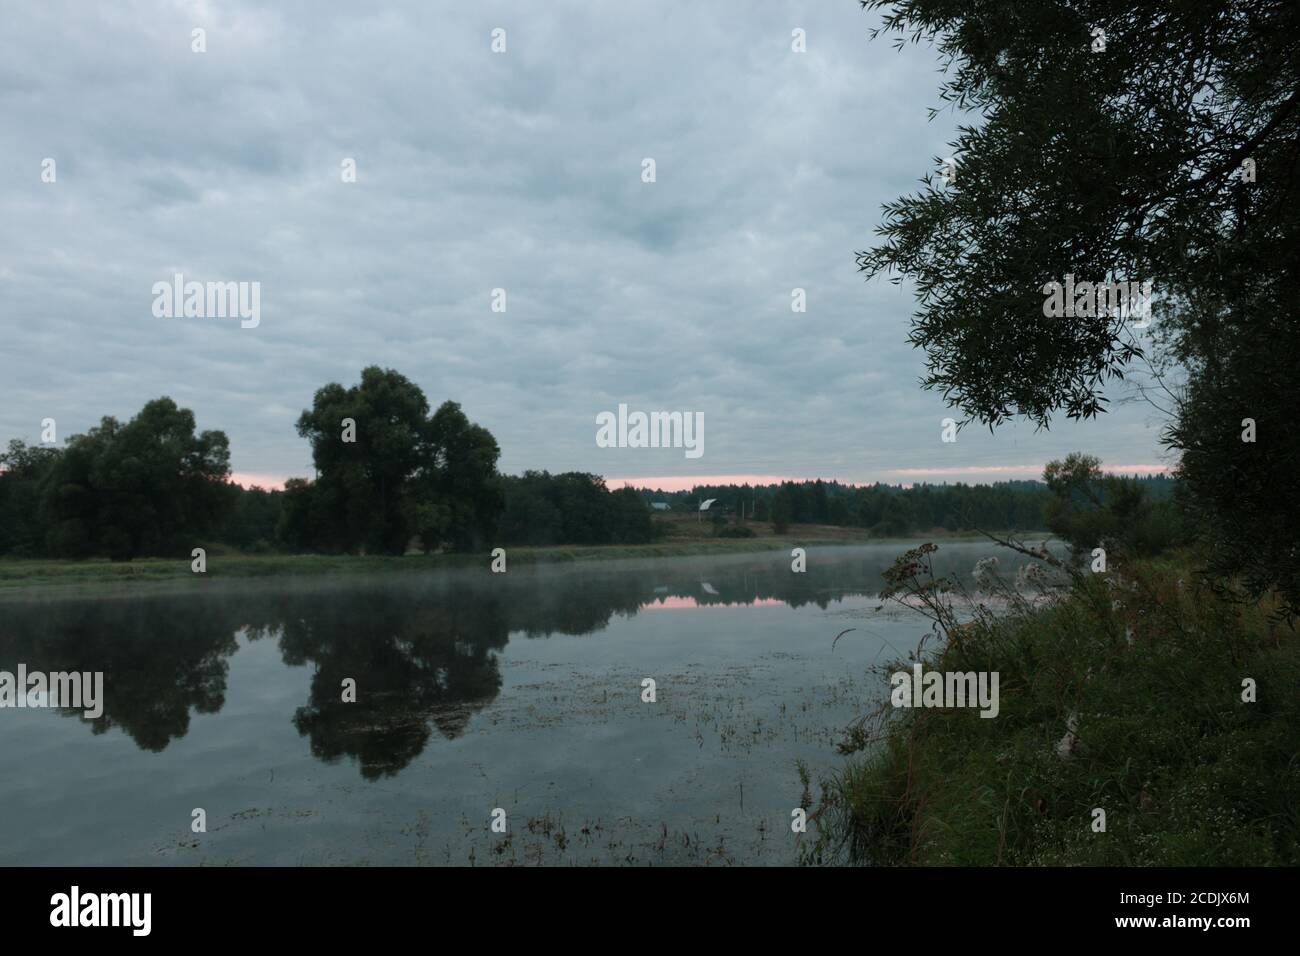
(22, 575)
(1188, 774)
(19, 576)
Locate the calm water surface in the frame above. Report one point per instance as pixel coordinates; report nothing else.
(475, 691)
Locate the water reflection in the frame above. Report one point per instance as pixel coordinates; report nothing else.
(419, 663)
(423, 649)
(161, 661)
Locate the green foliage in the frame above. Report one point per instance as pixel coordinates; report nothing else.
(892, 510)
(1122, 165)
(361, 484)
(151, 486)
(735, 531)
(1089, 509)
(1151, 673)
(306, 523)
(1240, 494)
(782, 508)
(23, 471)
(387, 471)
(464, 486)
(252, 519)
(571, 508)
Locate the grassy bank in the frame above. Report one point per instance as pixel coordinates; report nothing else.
(691, 539)
(19, 574)
(1149, 675)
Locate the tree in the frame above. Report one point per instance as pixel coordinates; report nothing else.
(306, 523)
(781, 508)
(22, 473)
(629, 518)
(253, 518)
(1088, 509)
(464, 498)
(820, 503)
(571, 508)
(1241, 493)
(529, 516)
(151, 486)
(1169, 156)
(896, 517)
(367, 442)
(387, 471)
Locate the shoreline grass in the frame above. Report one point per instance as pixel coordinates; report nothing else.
(19, 576)
(1126, 695)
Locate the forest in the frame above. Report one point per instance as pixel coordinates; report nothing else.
(392, 475)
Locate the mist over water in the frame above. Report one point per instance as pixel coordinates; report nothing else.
(475, 691)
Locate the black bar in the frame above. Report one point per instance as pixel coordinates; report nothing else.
(333, 905)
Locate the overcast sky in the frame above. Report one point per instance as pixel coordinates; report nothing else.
(477, 170)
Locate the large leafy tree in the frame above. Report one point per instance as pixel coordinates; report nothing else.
(23, 469)
(1170, 156)
(1090, 509)
(367, 441)
(387, 470)
(150, 486)
(571, 508)
(464, 486)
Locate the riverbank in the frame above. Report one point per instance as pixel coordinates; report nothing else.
(1154, 701)
(17, 576)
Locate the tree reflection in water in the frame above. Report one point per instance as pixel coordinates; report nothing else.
(422, 648)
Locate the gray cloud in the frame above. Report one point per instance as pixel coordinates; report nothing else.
(479, 171)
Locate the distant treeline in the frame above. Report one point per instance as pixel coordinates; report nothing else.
(891, 510)
(392, 476)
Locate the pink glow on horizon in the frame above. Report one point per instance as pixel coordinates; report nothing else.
(250, 479)
(1032, 470)
(687, 482)
(674, 603)
(897, 475)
